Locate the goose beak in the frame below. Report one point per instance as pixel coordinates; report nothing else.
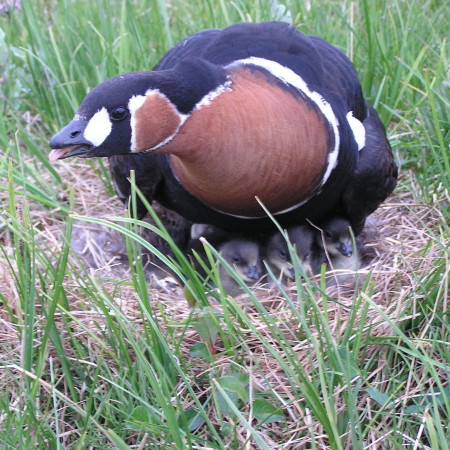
(70, 141)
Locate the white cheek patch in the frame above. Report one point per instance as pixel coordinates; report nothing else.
(359, 132)
(98, 128)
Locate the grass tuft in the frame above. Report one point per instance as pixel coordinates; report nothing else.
(105, 355)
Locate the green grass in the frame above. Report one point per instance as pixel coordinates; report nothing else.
(89, 362)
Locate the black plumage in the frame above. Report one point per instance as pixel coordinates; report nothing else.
(375, 175)
(205, 73)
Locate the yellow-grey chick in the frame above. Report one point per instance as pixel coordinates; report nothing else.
(244, 255)
(277, 251)
(335, 240)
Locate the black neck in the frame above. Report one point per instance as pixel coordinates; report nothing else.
(188, 82)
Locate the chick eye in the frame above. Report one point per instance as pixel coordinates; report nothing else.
(328, 235)
(119, 113)
(236, 259)
(283, 253)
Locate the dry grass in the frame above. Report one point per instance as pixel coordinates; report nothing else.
(364, 369)
(398, 234)
(402, 253)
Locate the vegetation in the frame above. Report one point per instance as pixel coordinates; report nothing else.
(90, 359)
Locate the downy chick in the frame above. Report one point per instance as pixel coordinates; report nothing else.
(277, 252)
(334, 247)
(244, 256)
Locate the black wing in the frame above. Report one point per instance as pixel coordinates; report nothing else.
(190, 47)
(375, 176)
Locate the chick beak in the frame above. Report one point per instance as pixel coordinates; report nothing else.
(345, 249)
(301, 269)
(70, 141)
(253, 273)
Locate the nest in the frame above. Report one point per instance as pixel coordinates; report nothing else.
(397, 234)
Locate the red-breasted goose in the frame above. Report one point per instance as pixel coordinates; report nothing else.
(227, 115)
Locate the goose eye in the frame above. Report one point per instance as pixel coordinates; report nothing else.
(119, 113)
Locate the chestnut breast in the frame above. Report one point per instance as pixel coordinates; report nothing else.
(259, 137)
